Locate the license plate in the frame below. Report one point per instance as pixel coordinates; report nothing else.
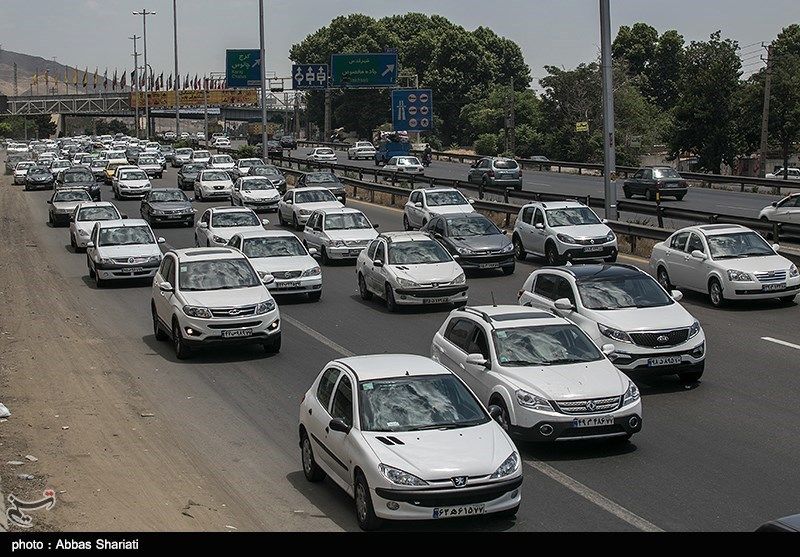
(593, 248)
(443, 300)
(289, 284)
(355, 252)
(773, 287)
(462, 510)
(237, 333)
(664, 361)
(487, 265)
(132, 270)
(593, 421)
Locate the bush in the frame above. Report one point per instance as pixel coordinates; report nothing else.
(248, 152)
(487, 144)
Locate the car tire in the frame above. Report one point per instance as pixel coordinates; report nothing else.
(508, 270)
(315, 296)
(181, 350)
(366, 295)
(627, 193)
(273, 345)
(365, 512)
(505, 421)
(679, 197)
(98, 282)
(715, 293)
(296, 223)
(391, 303)
(91, 271)
(406, 224)
(116, 194)
(190, 223)
(551, 255)
(787, 299)
(158, 332)
(649, 195)
(663, 279)
(73, 243)
(198, 195)
(691, 376)
(311, 469)
(280, 218)
(519, 249)
(324, 256)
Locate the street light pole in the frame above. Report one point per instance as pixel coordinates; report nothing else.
(135, 84)
(144, 13)
(609, 144)
(177, 89)
(263, 62)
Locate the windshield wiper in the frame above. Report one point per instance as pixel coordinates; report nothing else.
(566, 361)
(523, 363)
(448, 425)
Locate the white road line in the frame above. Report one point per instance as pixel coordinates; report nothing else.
(319, 336)
(594, 497)
(781, 342)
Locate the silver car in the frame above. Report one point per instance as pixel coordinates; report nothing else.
(496, 171)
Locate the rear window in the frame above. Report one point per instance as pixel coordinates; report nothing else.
(506, 164)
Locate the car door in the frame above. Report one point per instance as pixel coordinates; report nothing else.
(92, 251)
(674, 253)
(236, 192)
(634, 185)
(412, 211)
(163, 300)
(691, 271)
(452, 353)
(204, 234)
(544, 291)
(342, 408)
(563, 289)
(789, 211)
(318, 416)
(524, 226)
(287, 206)
(537, 232)
(376, 276)
(478, 378)
(313, 231)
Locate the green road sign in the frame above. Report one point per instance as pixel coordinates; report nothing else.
(243, 67)
(581, 126)
(364, 70)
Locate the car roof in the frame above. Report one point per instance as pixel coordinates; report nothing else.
(555, 204)
(411, 236)
(311, 188)
(201, 254)
(338, 210)
(86, 204)
(436, 189)
(596, 270)
(127, 223)
(380, 366)
(506, 316)
(715, 229)
(272, 233)
(230, 210)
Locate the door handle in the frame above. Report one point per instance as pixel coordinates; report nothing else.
(461, 366)
(309, 411)
(327, 430)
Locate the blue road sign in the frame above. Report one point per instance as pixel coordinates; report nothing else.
(243, 67)
(309, 76)
(412, 110)
(364, 70)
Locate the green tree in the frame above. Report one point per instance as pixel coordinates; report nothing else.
(487, 144)
(637, 46)
(487, 115)
(784, 108)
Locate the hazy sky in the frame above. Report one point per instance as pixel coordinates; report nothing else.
(557, 32)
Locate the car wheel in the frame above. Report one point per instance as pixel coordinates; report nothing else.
(649, 195)
(311, 469)
(406, 224)
(280, 218)
(715, 293)
(73, 243)
(296, 223)
(663, 279)
(787, 299)
(91, 271)
(315, 296)
(504, 421)
(519, 249)
(366, 295)
(508, 270)
(627, 193)
(116, 194)
(198, 195)
(551, 255)
(365, 513)
(391, 303)
(273, 346)
(98, 282)
(158, 332)
(190, 223)
(181, 350)
(680, 197)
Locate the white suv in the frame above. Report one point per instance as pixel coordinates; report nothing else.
(547, 378)
(213, 183)
(407, 440)
(652, 334)
(562, 231)
(211, 296)
(425, 203)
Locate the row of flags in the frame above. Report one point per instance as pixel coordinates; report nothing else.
(126, 79)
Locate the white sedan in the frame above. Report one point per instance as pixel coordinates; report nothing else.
(787, 210)
(361, 150)
(406, 165)
(219, 224)
(256, 192)
(212, 183)
(322, 154)
(298, 204)
(222, 162)
(130, 182)
(425, 203)
(407, 440)
(86, 215)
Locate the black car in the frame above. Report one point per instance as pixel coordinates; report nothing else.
(786, 524)
(39, 177)
(476, 240)
(167, 206)
(269, 171)
(132, 154)
(13, 158)
(79, 177)
(652, 180)
(188, 173)
(288, 142)
(169, 152)
(274, 148)
(326, 180)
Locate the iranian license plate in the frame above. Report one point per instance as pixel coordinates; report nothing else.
(593, 248)
(355, 252)
(442, 300)
(664, 361)
(488, 265)
(232, 333)
(289, 284)
(132, 270)
(773, 287)
(593, 421)
(461, 510)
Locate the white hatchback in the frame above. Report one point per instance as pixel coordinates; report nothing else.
(785, 211)
(298, 204)
(425, 203)
(218, 225)
(322, 154)
(212, 183)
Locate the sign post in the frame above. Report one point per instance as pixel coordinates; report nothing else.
(309, 76)
(581, 127)
(367, 70)
(243, 67)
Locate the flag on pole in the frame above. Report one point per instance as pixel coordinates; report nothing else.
(86, 77)
(186, 82)
(169, 82)
(105, 79)
(47, 78)
(161, 81)
(122, 81)
(66, 77)
(94, 83)
(196, 82)
(75, 77)
(114, 83)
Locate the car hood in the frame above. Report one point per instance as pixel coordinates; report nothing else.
(583, 230)
(444, 453)
(490, 242)
(133, 183)
(212, 183)
(82, 184)
(673, 316)
(170, 205)
(452, 209)
(70, 205)
(133, 250)
(572, 381)
(429, 272)
(229, 231)
(148, 165)
(353, 234)
(290, 263)
(319, 205)
(223, 165)
(260, 194)
(755, 264)
(227, 298)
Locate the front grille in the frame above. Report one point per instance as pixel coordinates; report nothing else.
(588, 406)
(590, 241)
(245, 325)
(241, 311)
(771, 276)
(356, 243)
(660, 339)
(286, 274)
(596, 430)
(130, 260)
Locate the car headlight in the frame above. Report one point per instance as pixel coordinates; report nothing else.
(566, 238)
(530, 400)
(614, 334)
(694, 329)
(508, 249)
(102, 260)
(739, 276)
(153, 259)
(312, 272)
(218, 240)
(305, 212)
(158, 212)
(610, 237)
(399, 477)
(265, 307)
(337, 243)
(631, 395)
(460, 279)
(793, 271)
(464, 251)
(197, 311)
(509, 466)
(82, 232)
(406, 283)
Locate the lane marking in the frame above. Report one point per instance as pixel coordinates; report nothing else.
(338, 348)
(594, 497)
(781, 342)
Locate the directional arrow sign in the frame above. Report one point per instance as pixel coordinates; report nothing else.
(309, 76)
(243, 67)
(412, 110)
(364, 70)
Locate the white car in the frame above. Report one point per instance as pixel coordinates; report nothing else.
(725, 261)
(200, 136)
(424, 203)
(170, 136)
(794, 174)
(787, 210)
(298, 204)
(256, 192)
(339, 233)
(222, 162)
(150, 164)
(211, 183)
(218, 142)
(562, 231)
(621, 305)
(63, 203)
(58, 165)
(130, 182)
(84, 218)
(201, 156)
(218, 225)
(21, 171)
(280, 253)
(182, 156)
(122, 249)
(322, 154)
(410, 268)
(212, 296)
(406, 165)
(361, 150)
(243, 165)
(407, 440)
(186, 135)
(545, 376)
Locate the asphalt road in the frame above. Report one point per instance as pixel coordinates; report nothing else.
(720, 455)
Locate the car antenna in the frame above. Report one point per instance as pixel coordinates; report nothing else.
(494, 304)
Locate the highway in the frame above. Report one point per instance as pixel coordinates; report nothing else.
(719, 455)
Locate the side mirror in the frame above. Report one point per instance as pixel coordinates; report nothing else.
(496, 413)
(697, 254)
(677, 295)
(504, 231)
(477, 360)
(604, 221)
(539, 226)
(774, 203)
(202, 224)
(166, 286)
(377, 263)
(161, 240)
(337, 424)
(313, 251)
(471, 201)
(418, 204)
(49, 201)
(376, 226)
(266, 278)
(564, 304)
(289, 202)
(265, 222)
(89, 244)
(124, 215)
(608, 349)
(437, 235)
(776, 247)
(72, 218)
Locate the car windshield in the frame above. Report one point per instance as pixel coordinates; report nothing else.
(97, 213)
(408, 161)
(202, 155)
(471, 227)
(194, 168)
(506, 164)
(147, 160)
(543, 346)
(218, 274)
(167, 195)
(39, 171)
(265, 171)
(222, 159)
(24, 165)
(665, 173)
(125, 236)
(215, 176)
(314, 196)
(320, 178)
(247, 163)
(740, 244)
(440, 198)
(417, 253)
(240, 218)
(67, 196)
(572, 216)
(325, 151)
(133, 175)
(99, 163)
(280, 246)
(634, 291)
(346, 221)
(418, 403)
(184, 151)
(257, 184)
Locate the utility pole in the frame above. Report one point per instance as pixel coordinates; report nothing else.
(263, 61)
(177, 89)
(144, 13)
(609, 143)
(327, 130)
(16, 86)
(762, 151)
(205, 116)
(135, 84)
(510, 123)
